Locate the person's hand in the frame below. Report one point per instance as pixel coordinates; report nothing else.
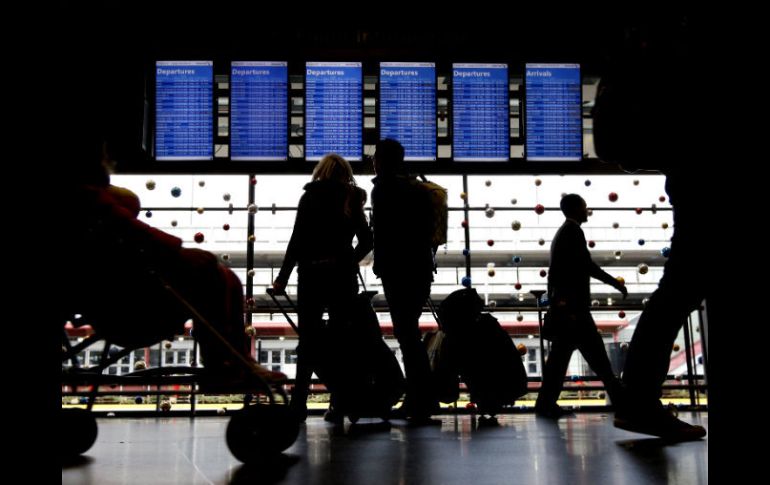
(622, 288)
(279, 286)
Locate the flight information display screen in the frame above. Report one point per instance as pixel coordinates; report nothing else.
(184, 110)
(408, 107)
(480, 123)
(259, 110)
(333, 110)
(554, 123)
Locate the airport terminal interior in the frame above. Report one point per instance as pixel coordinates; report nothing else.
(227, 131)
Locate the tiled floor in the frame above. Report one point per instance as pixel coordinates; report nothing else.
(584, 449)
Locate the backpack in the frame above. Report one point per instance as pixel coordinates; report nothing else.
(439, 209)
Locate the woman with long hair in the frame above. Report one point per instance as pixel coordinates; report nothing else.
(329, 214)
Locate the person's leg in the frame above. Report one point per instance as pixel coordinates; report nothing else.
(197, 276)
(405, 299)
(216, 293)
(310, 307)
(649, 353)
(342, 284)
(553, 375)
(591, 346)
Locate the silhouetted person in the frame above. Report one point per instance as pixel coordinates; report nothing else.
(569, 295)
(117, 267)
(329, 214)
(402, 220)
(648, 115)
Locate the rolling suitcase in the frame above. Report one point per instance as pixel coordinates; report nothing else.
(355, 363)
(490, 366)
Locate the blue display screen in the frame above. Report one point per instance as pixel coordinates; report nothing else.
(259, 111)
(333, 110)
(554, 124)
(480, 124)
(184, 103)
(408, 107)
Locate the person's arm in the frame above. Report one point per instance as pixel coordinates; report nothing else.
(126, 199)
(293, 249)
(594, 270)
(363, 233)
(120, 220)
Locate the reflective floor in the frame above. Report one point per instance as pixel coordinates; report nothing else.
(584, 449)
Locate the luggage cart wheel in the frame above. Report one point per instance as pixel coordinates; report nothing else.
(258, 431)
(79, 430)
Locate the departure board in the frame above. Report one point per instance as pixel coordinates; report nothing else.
(259, 111)
(480, 124)
(554, 123)
(333, 110)
(184, 103)
(408, 107)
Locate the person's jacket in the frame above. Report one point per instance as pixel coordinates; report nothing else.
(572, 268)
(323, 231)
(402, 222)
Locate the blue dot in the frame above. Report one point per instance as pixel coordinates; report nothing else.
(466, 252)
(176, 192)
(517, 259)
(466, 281)
(641, 242)
(665, 251)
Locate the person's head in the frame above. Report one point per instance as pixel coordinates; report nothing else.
(646, 111)
(334, 167)
(104, 122)
(574, 207)
(388, 157)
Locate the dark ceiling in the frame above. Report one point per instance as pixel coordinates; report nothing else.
(365, 32)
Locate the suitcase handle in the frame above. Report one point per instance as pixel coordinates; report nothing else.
(435, 315)
(273, 293)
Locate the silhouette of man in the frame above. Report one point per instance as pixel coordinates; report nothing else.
(569, 294)
(403, 260)
(648, 116)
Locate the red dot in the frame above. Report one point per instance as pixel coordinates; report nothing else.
(226, 227)
(662, 198)
(638, 210)
(539, 209)
(198, 237)
(490, 242)
(543, 273)
(517, 285)
(622, 314)
(613, 197)
(591, 244)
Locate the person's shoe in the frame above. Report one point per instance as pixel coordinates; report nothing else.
(552, 412)
(298, 409)
(398, 413)
(334, 417)
(659, 421)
